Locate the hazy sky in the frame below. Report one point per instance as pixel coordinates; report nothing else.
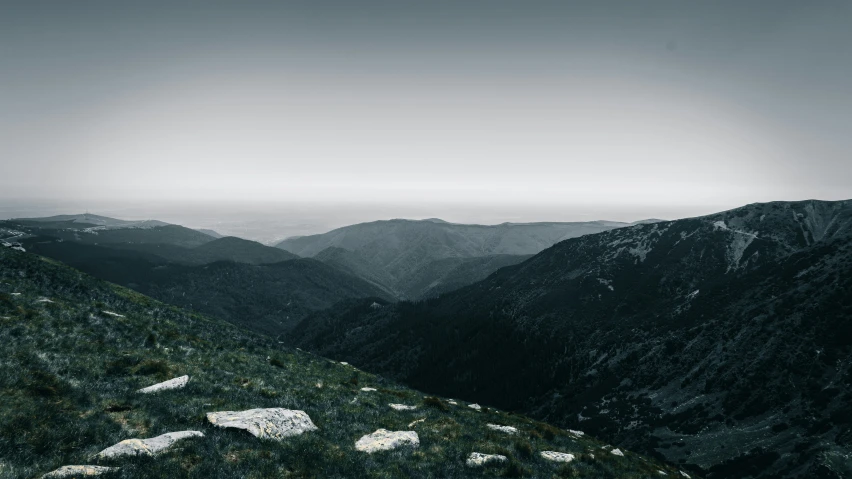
(630, 108)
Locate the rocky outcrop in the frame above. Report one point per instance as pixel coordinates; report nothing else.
(175, 383)
(506, 429)
(475, 406)
(557, 456)
(146, 447)
(384, 440)
(477, 459)
(78, 471)
(272, 423)
(402, 407)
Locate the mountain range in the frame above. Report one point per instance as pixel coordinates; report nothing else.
(414, 259)
(723, 343)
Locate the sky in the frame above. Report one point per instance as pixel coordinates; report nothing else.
(473, 111)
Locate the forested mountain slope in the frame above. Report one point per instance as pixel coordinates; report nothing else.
(723, 342)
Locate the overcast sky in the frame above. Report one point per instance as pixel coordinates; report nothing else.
(619, 109)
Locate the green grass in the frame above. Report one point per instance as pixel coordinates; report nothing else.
(68, 373)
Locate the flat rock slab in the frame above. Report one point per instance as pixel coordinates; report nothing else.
(402, 407)
(272, 423)
(146, 447)
(477, 459)
(384, 440)
(175, 383)
(78, 471)
(506, 429)
(557, 456)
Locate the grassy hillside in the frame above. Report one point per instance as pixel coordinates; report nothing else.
(75, 349)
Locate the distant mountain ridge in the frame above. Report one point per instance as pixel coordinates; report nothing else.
(399, 254)
(721, 342)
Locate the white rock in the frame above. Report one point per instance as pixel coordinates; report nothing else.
(16, 294)
(78, 471)
(577, 433)
(506, 429)
(557, 456)
(475, 406)
(684, 474)
(44, 300)
(452, 402)
(175, 383)
(617, 452)
(344, 363)
(272, 423)
(662, 473)
(114, 314)
(414, 423)
(402, 407)
(146, 447)
(477, 459)
(366, 390)
(384, 440)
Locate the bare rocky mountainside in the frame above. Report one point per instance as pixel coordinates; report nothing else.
(99, 380)
(722, 343)
(417, 259)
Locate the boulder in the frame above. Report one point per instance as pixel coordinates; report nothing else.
(384, 440)
(402, 407)
(477, 459)
(506, 429)
(475, 406)
(78, 471)
(272, 423)
(617, 452)
(146, 447)
(175, 383)
(557, 456)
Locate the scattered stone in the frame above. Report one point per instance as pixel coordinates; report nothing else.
(413, 423)
(592, 456)
(506, 429)
(662, 473)
(44, 300)
(146, 447)
(114, 314)
(402, 407)
(557, 456)
(319, 384)
(344, 363)
(577, 433)
(16, 294)
(77, 471)
(175, 383)
(366, 390)
(684, 474)
(384, 440)
(475, 406)
(452, 402)
(617, 452)
(272, 423)
(477, 459)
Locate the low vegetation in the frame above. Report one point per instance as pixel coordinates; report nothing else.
(69, 372)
